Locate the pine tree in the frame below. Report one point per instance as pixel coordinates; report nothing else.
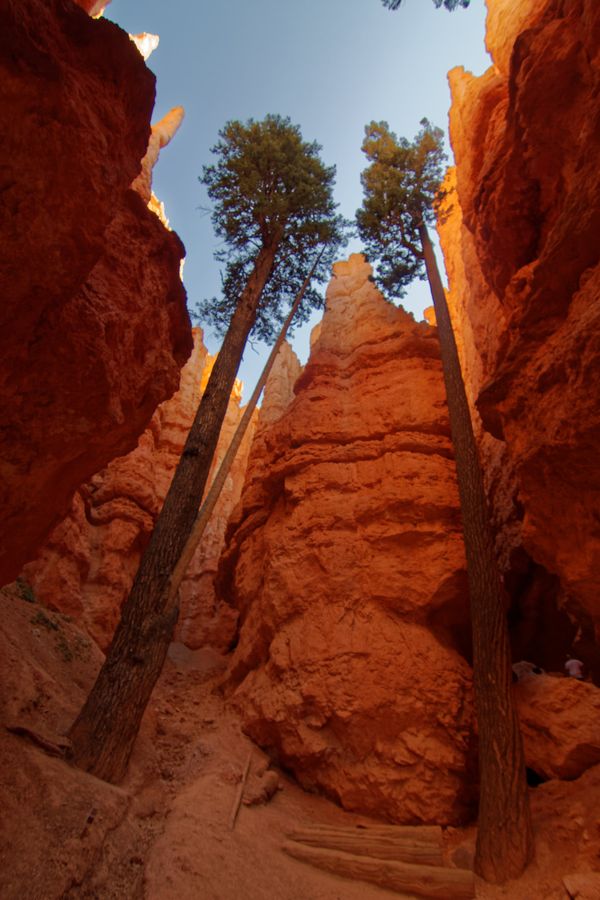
(401, 186)
(273, 207)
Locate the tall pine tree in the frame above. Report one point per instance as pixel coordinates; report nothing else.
(401, 185)
(273, 207)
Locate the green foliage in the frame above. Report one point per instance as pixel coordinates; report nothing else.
(270, 189)
(45, 621)
(401, 186)
(64, 649)
(448, 4)
(25, 590)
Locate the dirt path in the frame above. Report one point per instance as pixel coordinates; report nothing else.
(164, 833)
(201, 754)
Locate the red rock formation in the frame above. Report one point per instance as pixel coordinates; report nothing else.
(279, 391)
(87, 566)
(93, 7)
(161, 135)
(93, 328)
(65, 834)
(345, 559)
(523, 260)
(204, 619)
(560, 722)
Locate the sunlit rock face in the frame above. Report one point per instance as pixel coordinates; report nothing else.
(279, 391)
(145, 42)
(346, 562)
(505, 22)
(93, 7)
(87, 566)
(161, 134)
(523, 257)
(94, 329)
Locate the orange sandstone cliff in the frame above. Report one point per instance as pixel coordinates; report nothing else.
(87, 566)
(345, 561)
(85, 267)
(523, 258)
(343, 576)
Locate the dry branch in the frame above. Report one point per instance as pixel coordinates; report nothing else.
(55, 745)
(240, 793)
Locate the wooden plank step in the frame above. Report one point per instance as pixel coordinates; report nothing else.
(421, 881)
(391, 843)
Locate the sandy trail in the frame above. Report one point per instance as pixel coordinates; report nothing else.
(164, 833)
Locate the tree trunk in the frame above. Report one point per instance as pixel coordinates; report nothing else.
(210, 501)
(103, 734)
(405, 878)
(504, 838)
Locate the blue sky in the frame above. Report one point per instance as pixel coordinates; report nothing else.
(331, 65)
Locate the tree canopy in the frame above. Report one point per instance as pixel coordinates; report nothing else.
(400, 189)
(448, 4)
(270, 188)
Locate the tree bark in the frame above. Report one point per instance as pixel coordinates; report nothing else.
(421, 881)
(103, 734)
(504, 838)
(387, 842)
(210, 501)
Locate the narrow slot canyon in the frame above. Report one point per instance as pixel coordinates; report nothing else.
(313, 733)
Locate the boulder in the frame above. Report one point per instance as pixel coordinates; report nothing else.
(560, 723)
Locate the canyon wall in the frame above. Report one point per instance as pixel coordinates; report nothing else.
(345, 560)
(341, 558)
(94, 328)
(87, 565)
(523, 260)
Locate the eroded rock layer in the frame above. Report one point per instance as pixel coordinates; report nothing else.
(560, 723)
(523, 258)
(346, 562)
(93, 328)
(87, 566)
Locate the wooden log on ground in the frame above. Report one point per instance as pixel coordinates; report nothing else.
(432, 833)
(421, 881)
(391, 843)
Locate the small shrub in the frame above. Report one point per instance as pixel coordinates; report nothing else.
(41, 618)
(25, 590)
(63, 648)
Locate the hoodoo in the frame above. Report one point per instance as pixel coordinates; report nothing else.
(315, 712)
(345, 560)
